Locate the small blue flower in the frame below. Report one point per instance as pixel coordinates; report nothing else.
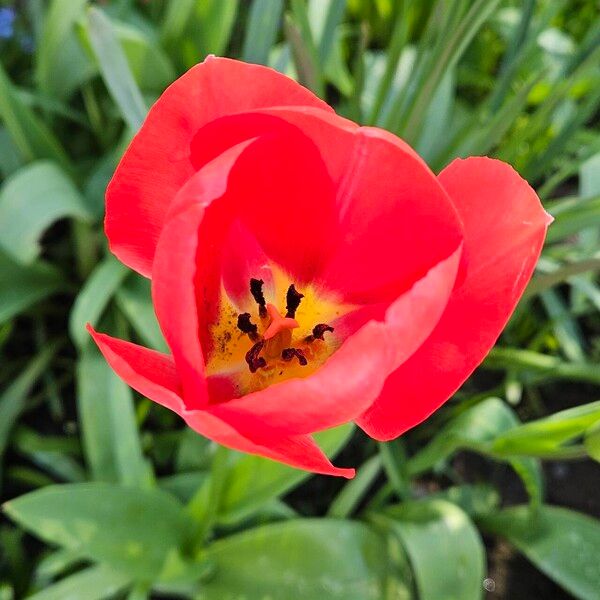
(27, 44)
(7, 20)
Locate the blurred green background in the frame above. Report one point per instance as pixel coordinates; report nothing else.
(108, 496)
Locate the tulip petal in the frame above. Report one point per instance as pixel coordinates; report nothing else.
(153, 375)
(149, 372)
(505, 226)
(174, 297)
(177, 274)
(354, 375)
(300, 451)
(394, 219)
(280, 190)
(242, 259)
(158, 161)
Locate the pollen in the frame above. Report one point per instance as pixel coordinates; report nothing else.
(259, 348)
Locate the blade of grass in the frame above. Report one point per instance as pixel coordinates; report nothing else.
(114, 69)
(261, 31)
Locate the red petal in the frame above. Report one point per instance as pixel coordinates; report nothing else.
(174, 297)
(397, 221)
(298, 451)
(505, 226)
(153, 375)
(354, 376)
(388, 205)
(242, 259)
(282, 193)
(158, 161)
(149, 372)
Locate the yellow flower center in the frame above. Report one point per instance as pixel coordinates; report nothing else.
(271, 344)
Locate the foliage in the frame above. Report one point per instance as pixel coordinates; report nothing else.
(124, 497)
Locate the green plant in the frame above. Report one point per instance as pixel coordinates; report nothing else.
(123, 496)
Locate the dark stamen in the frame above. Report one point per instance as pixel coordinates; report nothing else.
(292, 301)
(289, 353)
(245, 325)
(256, 289)
(253, 359)
(318, 332)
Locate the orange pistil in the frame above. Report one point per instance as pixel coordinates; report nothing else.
(278, 323)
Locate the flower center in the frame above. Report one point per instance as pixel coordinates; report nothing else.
(266, 345)
(275, 343)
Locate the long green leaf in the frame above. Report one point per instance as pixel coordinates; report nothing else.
(93, 583)
(304, 560)
(137, 532)
(114, 69)
(262, 28)
(30, 201)
(443, 545)
(110, 436)
(135, 300)
(13, 399)
(253, 480)
(564, 544)
(22, 286)
(29, 134)
(94, 297)
(61, 67)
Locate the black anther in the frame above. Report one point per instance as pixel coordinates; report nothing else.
(245, 325)
(292, 301)
(319, 331)
(289, 353)
(256, 289)
(253, 359)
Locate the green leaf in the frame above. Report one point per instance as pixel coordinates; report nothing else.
(94, 583)
(183, 485)
(61, 67)
(325, 16)
(471, 429)
(438, 115)
(175, 20)
(443, 545)
(134, 298)
(29, 134)
(566, 329)
(94, 297)
(22, 286)
(13, 399)
(477, 429)
(564, 544)
(216, 19)
(354, 490)
(475, 500)
(253, 480)
(551, 366)
(114, 68)
(30, 201)
(56, 563)
(589, 177)
(150, 66)
(304, 560)
(136, 532)
(10, 159)
(543, 436)
(592, 442)
(572, 215)
(110, 435)
(261, 30)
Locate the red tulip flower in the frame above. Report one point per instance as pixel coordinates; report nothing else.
(306, 271)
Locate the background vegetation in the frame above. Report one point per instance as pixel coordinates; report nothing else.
(108, 495)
